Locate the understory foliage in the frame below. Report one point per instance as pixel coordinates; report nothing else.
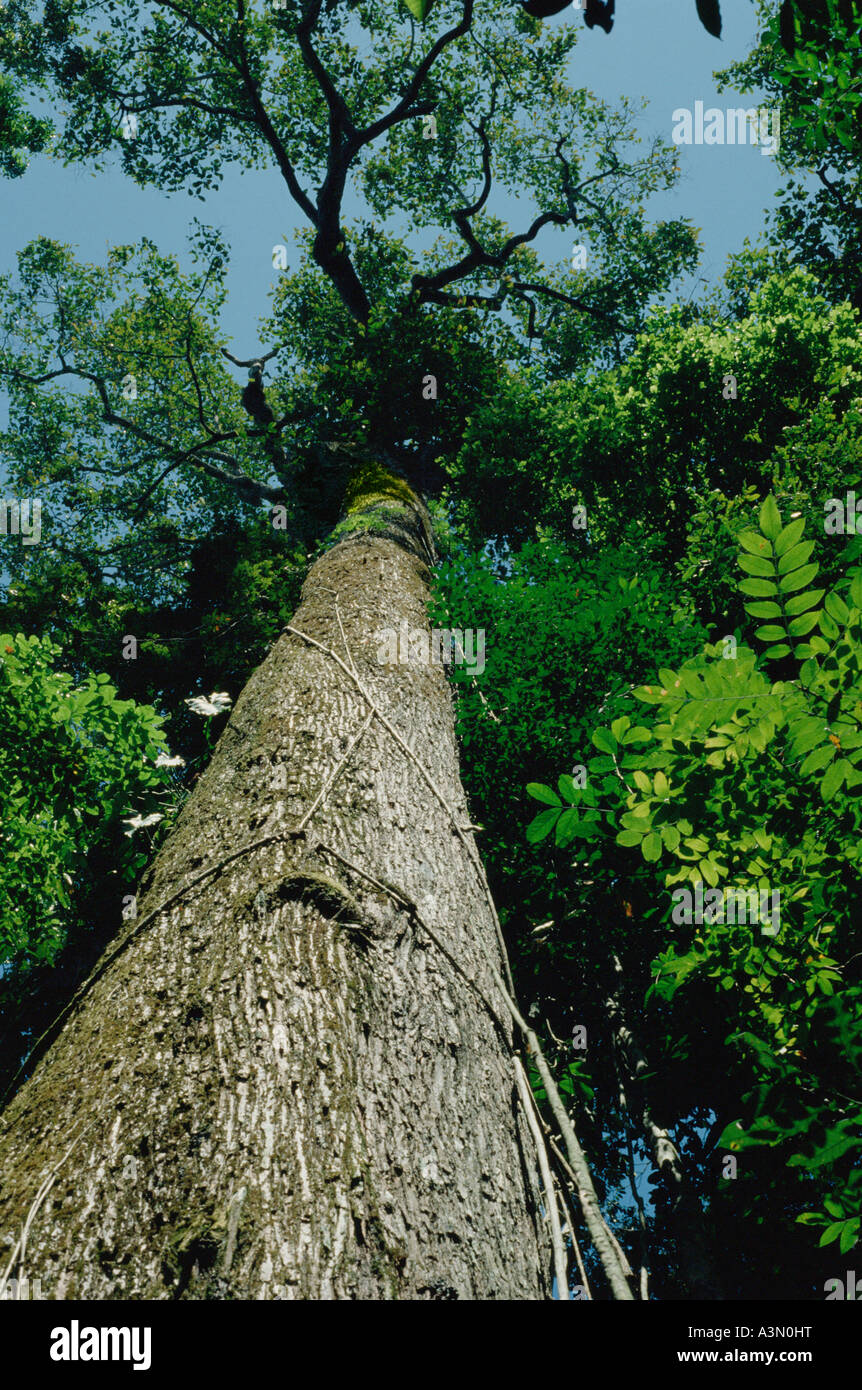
(733, 779)
(74, 761)
(85, 787)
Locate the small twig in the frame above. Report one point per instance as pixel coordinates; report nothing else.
(327, 786)
(45, 1186)
(560, 1268)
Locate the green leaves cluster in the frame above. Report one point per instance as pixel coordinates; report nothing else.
(74, 761)
(752, 785)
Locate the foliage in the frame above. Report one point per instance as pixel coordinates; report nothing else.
(74, 761)
(808, 63)
(20, 132)
(746, 783)
(655, 435)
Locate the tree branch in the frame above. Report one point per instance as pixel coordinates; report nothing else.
(248, 488)
(340, 117)
(402, 109)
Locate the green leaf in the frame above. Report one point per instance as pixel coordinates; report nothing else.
(420, 9)
(818, 759)
(798, 580)
(651, 847)
(604, 740)
(789, 536)
(811, 738)
(763, 610)
(756, 564)
(539, 792)
(758, 588)
(849, 1235)
(754, 543)
(800, 626)
(836, 608)
(801, 602)
(638, 734)
(795, 557)
(567, 828)
(671, 837)
(709, 872)
(734, 1136)
(837, 1141)
(568, 791)
(542, 825)
(832, 1232)
(770, 519)
(834, 777)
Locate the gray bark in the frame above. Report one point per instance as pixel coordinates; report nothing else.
(280, 1087)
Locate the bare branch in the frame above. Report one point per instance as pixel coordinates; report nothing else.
(476, 207)
(479, 257)
(195, 24)
(196, 383)
(834, 192)
(464, 301)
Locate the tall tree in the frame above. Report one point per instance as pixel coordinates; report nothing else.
(322, 1100)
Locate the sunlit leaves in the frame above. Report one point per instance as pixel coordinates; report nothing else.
(74, 760)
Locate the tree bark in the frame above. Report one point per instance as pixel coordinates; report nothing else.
(280, 1086)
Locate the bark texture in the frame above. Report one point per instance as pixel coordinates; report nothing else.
(280, 1087)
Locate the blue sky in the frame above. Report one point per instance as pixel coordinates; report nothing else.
(656, 51)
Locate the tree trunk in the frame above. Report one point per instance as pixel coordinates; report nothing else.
(276, 1084)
